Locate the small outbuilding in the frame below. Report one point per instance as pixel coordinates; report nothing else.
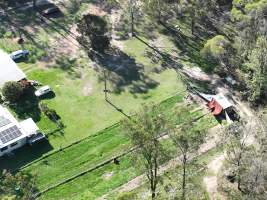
(219, 105)
(9, 71)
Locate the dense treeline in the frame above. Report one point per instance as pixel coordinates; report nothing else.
(238, 44)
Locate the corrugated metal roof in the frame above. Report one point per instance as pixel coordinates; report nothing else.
(223, 101)
(9, 71)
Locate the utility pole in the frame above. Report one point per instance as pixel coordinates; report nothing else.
(105, 82)
(131, 4)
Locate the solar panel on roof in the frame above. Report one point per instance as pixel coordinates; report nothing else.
(10, 134)
(4, 121)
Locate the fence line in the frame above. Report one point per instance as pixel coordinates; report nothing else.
(106, 162)
(83, 139)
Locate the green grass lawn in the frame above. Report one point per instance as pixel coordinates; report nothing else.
(170, 183)
(92, 151)
(96, 183)
(79, 101)
(83, 114)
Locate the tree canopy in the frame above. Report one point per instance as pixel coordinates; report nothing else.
(20, 186)
(12, 91)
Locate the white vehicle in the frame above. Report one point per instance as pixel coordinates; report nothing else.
(19, 54)
(43, 90)
(230, 80)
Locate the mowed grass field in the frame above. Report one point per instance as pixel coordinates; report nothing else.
(95, 150)
(80, 103)
(85, 114)
(102, 180)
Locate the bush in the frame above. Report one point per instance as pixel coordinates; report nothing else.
(215, 49)
(12, 91)
(127, 196)
(94, 32)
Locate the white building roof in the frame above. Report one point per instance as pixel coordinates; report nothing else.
(11, 130)
(220, 98)
(29, 126)
(9, 71)
(223, 101)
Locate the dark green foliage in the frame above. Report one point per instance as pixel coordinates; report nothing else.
(249, 18)
(94, 33)
(144, 129)
(20, 186)
(12, 91)
(52, 115)
(127, 196)
(257, 67)
(187, 139)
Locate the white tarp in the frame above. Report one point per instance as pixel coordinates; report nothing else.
(9, 71)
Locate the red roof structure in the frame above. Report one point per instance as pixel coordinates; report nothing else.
(215, 107)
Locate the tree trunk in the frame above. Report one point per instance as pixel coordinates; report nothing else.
(153, 186)
(132, 17)
(132, 23)
(184, 177)
(153, 195)
(193, 26)
(159, 11)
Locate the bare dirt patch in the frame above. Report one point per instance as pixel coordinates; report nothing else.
(95, 10)
(67, 45)
(87, 89)
(211, 181)
(108, 175)
(212, 140)
(115, 18)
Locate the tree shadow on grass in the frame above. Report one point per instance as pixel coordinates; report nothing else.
(68, 65)
(168, 60)
(28, 106)
(123, 71)
(190, 47)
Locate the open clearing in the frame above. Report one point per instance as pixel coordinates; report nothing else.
(78, 161)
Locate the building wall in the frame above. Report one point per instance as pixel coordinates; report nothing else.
(11, 148)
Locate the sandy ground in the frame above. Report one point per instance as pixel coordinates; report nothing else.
(246, 112)
(211, 181)
(87, 89)
(115, 18)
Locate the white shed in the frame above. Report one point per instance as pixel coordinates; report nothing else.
(9, 71)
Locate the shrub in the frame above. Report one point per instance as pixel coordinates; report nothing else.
(215, 49)
(12, 91)
(127, 196)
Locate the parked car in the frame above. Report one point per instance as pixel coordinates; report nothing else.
(19, 54)
(34, 83)
(51, 10)
(43, 90)
(230, 80)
